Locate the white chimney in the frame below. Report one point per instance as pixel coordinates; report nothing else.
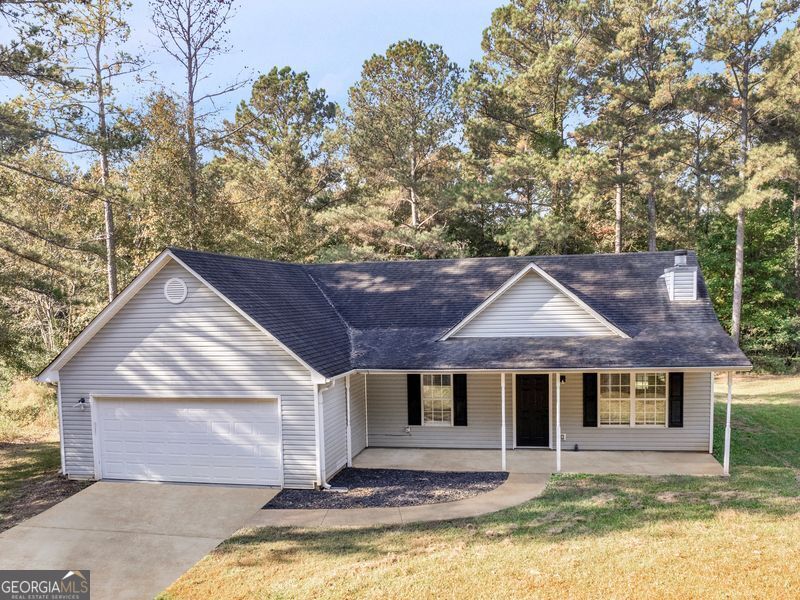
(681, 280)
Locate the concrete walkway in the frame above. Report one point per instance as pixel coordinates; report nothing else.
(541, 461)
(518, 488)
(134, 538)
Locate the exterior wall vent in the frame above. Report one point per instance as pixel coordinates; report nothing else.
(175, 290)
(681, 279)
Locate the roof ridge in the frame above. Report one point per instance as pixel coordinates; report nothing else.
(520, 257)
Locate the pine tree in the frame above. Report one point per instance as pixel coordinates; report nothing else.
(738, 34)
(402, 145)
(278, 166)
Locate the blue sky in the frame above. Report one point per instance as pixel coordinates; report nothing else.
(329, 40)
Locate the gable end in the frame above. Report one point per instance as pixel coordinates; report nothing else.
(533, 304)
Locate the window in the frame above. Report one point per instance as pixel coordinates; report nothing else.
(651, 398)
(615, 399)
(437, 400)
(643, 403)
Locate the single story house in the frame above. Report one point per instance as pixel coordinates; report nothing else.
(222, 369)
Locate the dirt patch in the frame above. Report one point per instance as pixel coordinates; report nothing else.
(368, 488)
(670, 497)
(603, 499)
(37, 495)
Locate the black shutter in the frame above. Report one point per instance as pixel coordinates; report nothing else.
(460, 399)
(590, 399)
(414, 399)
(676, 399)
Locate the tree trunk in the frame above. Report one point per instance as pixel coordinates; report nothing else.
(618, 192)
(796, 233)
(744, 150)
(738, 277)
(651, 221)
(412, 194)
(191, 133)
(414, 208)
(108, 209)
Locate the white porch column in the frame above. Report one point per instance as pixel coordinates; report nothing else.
(558, 423)
(711, 417)
(502, 421)
(726, 461)
(347, 422)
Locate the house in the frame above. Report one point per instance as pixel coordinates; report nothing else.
(221, 369)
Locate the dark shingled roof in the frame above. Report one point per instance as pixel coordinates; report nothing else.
(390, 315)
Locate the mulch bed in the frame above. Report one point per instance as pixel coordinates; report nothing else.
(370, 488)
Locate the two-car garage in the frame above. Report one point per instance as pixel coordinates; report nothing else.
(203, 440)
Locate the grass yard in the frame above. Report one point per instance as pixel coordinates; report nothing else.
(586, 537)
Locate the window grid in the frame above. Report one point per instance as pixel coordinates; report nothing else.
(651, 398)
(622, 404)
(437, 399)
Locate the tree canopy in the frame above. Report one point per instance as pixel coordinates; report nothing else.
(592, 126)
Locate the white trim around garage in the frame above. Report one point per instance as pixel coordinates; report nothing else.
(95, 400)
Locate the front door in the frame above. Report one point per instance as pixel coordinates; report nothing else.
(533, 417)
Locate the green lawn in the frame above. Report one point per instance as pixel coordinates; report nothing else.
(29, 480)
(585, 537)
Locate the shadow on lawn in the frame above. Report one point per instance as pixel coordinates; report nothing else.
(765, 481)
(572, 506)
(19, 461)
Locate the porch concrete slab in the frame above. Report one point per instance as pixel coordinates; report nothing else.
(134, 538)
(541, 461)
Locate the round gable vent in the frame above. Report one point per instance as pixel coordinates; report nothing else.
(175, 290)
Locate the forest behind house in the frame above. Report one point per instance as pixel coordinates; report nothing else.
(584, 126)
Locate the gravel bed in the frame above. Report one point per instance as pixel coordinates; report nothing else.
(390, 487)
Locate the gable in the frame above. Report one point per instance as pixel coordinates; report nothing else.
(145, 283)
(200, 346)
(532, 306)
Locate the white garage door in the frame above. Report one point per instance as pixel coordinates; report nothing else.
(190, 440)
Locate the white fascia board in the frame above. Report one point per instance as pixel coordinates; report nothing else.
(552, 281)
(50, 372)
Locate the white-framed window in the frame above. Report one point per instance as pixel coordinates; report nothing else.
(651, 399)
(625, 399)
(437, 399)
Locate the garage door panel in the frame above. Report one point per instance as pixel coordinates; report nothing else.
(225, 441)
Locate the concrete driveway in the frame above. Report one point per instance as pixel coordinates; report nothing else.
(135, 538)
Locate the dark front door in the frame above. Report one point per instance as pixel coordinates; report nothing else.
(533, 422)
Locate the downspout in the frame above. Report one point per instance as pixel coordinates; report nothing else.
(318, 434)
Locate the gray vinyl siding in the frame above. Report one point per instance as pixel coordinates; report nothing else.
(358, 413)
(200, 347)
(532, 307)
(334, 418)
(692, 436)
(387, 409)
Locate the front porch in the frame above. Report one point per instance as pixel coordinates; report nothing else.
(529, 461)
